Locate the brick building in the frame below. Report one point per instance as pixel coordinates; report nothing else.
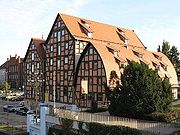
(13, 71)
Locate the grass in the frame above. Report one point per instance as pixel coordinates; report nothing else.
(177, 106)
(7, 129)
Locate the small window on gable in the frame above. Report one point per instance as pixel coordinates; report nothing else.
(59, 24)
(59, 35)
(62, 32)
(32, 68)
(32, 55)
(55, 34)
(91, 51)
(33, 46)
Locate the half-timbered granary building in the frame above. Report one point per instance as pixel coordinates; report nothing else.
(80, 55)
(34, 70)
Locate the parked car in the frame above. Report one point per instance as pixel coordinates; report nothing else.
(22, 111)
(18, 98)
(7, 107)
(10, 96)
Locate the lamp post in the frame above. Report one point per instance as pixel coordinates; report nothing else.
(36, 86)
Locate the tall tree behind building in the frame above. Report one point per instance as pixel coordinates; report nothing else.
(173, 55)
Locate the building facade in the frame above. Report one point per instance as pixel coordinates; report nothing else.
(33, 67)
(3, 73)
(12, 72)
(80, 55)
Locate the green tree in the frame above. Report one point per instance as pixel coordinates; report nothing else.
(159, 48)
(173, 55)
(142, 92)
(165, 48)
(5, 86)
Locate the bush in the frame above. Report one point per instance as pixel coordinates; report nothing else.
(97, 129)
(102, 129)
(169, 116)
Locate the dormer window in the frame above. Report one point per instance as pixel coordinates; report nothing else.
(85, 23)
(122, 36)
(157, 67)
(116, 53)
(86, 28)
(139, 55)
(157, 57)
(163, 66)
(126, 41)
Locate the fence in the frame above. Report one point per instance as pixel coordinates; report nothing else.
(145, 126)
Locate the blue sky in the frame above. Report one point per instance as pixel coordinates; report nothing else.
(152, 20)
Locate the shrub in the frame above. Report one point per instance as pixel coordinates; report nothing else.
(97, 129)
(169, 116)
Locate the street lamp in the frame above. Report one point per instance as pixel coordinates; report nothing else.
(36, 86)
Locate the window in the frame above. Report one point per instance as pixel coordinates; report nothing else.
(66, 45)
(32, 55)
(95, 65)
(81, 45)
(51, 61)
(55, 34)
(65, 91)
(116, 53)
(32, 68)
(86, 66)
(91, 51)
(51, 49)
(65, 75)
(62, 32)
(59, 24)
(59, 35)
(59, 50)
(27, 66)
(66, 60)
(58, 64)
(37, 65)
(32, 46)
(99, 97)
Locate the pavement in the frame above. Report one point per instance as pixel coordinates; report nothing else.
(11, 119)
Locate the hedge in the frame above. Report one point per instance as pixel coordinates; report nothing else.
(97, 129)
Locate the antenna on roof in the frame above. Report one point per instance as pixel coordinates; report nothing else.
(42, 35)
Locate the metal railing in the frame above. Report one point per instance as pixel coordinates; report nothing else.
(145, 126)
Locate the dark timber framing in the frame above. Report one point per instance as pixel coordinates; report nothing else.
(91, 69)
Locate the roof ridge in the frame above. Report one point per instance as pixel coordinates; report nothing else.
(96, 22)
